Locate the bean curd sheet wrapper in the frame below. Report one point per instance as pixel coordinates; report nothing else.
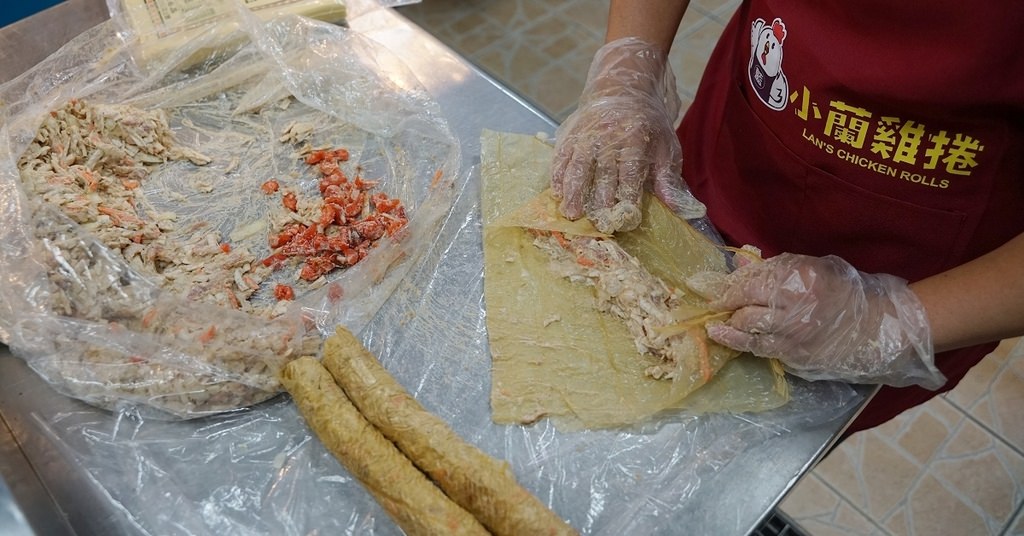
(203, 137)
(554, 353)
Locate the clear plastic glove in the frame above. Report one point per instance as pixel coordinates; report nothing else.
(620, 139)
(826, 321)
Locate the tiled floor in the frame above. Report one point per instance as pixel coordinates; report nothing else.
(953, 466)
(542, 49)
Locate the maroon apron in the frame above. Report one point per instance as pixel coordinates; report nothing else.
(889, 134)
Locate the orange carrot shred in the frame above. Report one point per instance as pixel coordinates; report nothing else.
(208, 335)
(147, 319)
(702, 351)
(561, 239)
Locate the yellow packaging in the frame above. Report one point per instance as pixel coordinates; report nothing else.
(161, 27)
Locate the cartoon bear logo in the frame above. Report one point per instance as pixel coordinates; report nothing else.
(765, 69)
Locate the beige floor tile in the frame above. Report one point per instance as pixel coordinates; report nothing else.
(514, 14)
(931, 467)
(591, 14)
(1016, 528)
(933, 509)
(686, 102)
(522, 62)
(983, 473)
(561, 91)
(691, 50)
(542, 50)
(993, 392)
(820, 511)
(550, 28)
(920, 432)
(473, 32)
(975, 385)
(531, 73)
(871, 473)
(561, 47)
(719, 9)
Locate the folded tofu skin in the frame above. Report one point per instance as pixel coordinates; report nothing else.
(562, 348)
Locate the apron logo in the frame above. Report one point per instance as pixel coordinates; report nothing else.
(765, 70)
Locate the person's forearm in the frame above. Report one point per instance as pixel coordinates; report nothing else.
(654, 21)
(980, 301)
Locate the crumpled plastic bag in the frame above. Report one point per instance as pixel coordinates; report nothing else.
(98, 329)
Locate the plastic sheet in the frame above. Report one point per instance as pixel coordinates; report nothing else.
(260, 471)
(97, 327)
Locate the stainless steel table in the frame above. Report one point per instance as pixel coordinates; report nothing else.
(47, 491)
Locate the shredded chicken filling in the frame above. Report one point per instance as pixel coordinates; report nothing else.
(91, 163)
(625, 289)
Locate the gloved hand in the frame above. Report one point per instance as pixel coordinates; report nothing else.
(825, 320)
(621, 138)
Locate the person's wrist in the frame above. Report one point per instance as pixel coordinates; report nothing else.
(901, 352)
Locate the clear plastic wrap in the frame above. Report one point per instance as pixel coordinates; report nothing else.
(263, 472)
(106, 329)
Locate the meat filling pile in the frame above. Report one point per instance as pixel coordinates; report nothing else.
(93, 163)
(654, 313)
(92, 160)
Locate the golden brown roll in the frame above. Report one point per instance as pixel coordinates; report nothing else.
(415, 503)
(479, 483)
